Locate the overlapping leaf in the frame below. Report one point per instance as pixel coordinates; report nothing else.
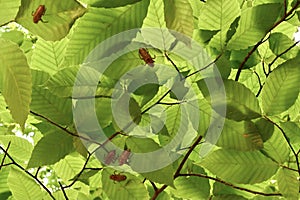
(241, 103)
(240, 167)
(288, 183)
(16, 77)
(281, 88)
(243, 136)
(60, 143)
(23, 187)
(218, 15)
(99, 24)
(131, 188)
(253, 25)
(8, 10)
(48, 56)
(59, 17)
(179, 17)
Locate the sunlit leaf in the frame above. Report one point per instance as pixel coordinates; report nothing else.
(281, 88)
(288, 183)
(22, 186)
(16, 77)
(251, 27)
(240, 167)
(59, 17)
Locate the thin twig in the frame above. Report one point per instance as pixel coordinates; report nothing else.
(37, 172)
(231, 185)
(207, 66)
(2, 162)
(295, 170)
(154, 186)
(169, 59)
(79, 174)
(28, 173)
(157, 192)
(259, 82)
(285, 51)
(63, 190)
(261, 41)
(91, 97)
(63, 128)
(288, 141)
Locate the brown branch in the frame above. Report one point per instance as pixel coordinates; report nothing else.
(157, 192)
(79, 174)
(231, 185)
(64, 129)
(207, 66)
(285, 51)
(28, 173)
(259, 82)
(287, 140)
(262, 40)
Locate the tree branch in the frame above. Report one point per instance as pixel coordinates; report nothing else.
(28, 173)
(157, 192)
(287, 140)
(231, 185)
(63, 128)
(2, 162)
(63, 190)
(262, 40)
(285, 51)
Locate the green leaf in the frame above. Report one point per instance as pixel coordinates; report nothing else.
(14, 36)
(243, 136)
(113, 4)
(241, 103)
(292, 131)
(55, 108)
(280, 43)
(69, 166)
(16, 77)
(23, 187)
(145, 145)
(253, 25)
(228, 197)
(281, 88)
(51, 148)
(265, 128)
(218, 15)
(277, 148)
(98, 24)
(8, 10)
(237, 56)
(155, 16)
(288, 183)
(63, 82)
(131, 188)
(3, 179)
(178, 16)
(19, 148)
(48, 56)
(59, 17)
(191, 187)
(240, 167)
